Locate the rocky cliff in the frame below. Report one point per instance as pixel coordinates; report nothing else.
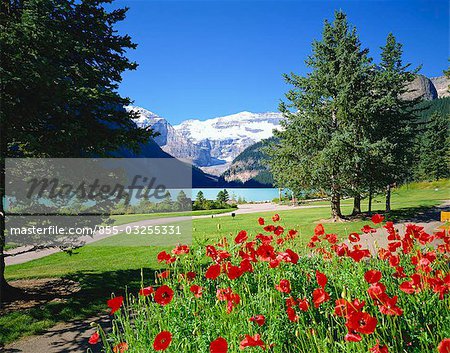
(422, 87)
(441, 84)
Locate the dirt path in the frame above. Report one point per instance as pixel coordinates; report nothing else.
(63, 338)
(24, 255)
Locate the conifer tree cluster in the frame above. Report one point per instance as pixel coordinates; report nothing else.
(348, 130)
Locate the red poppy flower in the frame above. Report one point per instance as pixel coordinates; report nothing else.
(241, 237)
(361, 322)
(394, 245)
(372, 276)
(180, 250)
(196, 290)
(266, 252)
(292, 316)
(284, 286)
(213, 272)
(219, 345)
(444, 346)
(377, 218)
(146, 291)
(394, 260)
(291, 234)
(163, 295)
(319, 230)
(269, 228)
(191, 275)
(344, 308)
(354, 237)
(290, 256)
(368, 229)
(234, 272)
(340, 250)
(321, 279)
(165, 257)
(320, 296)
(413, 286)
(378, 349)
(114, 304)
(376, 290)
(164, 274)
(352, 337)
(121, 347)
(357, 254)
(162, 341)
(332, 238)
(246, 266)
(399, 272)
(95, 337)
(291, 301)
(276, 217)
(261, 221)
(252, 341)
(389, 306)
(259, 319)
(226, 294)
(303, 304)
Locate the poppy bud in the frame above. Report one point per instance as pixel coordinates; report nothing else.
(344, 293)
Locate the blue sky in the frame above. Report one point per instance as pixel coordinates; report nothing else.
(201, 59)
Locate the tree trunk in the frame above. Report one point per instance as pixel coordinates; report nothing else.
(336, 206)
(3, 284)
(388, 198)
(356, 205)
(370, 202)
(335, 202)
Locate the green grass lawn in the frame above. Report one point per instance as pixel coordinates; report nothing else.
(112, 264)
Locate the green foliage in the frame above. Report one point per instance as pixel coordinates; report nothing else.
(221, 201)
(434, 162)
(223, 196)
(61, 62)
(348, 131)
(323, 141)
(425, 109)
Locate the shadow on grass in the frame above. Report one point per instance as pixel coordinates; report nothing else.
(89, 300)
(418, 214)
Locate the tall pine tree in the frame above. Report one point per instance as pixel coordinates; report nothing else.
(395, 125)
(322, 139)
(61, 62)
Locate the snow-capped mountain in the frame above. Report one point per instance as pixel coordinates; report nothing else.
(227, 136)
(210, 142)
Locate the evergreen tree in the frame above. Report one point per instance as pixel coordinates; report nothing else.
(200, 201)
(396, 119)
(183, 201)
(223, 196)
(200, 198)
(320, 143)
(61, 62)
(435, 149)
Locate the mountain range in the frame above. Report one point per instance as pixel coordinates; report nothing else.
(211, 143)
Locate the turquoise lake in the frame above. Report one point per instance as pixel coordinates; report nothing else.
(254, 195)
